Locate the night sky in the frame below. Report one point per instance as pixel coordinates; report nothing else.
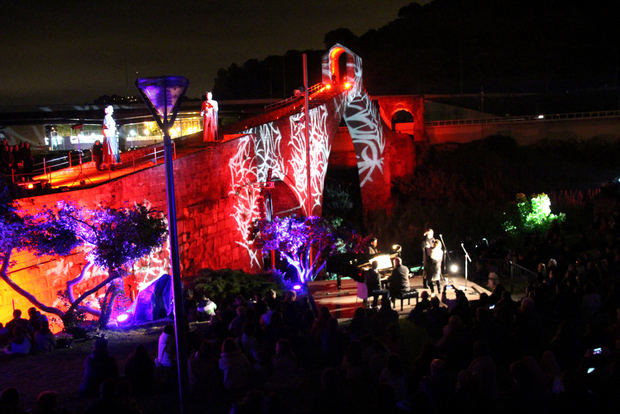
(73, 51)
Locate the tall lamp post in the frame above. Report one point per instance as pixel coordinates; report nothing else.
(163, 95)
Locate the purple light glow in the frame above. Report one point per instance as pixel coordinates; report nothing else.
(297, 287)
(163, 93)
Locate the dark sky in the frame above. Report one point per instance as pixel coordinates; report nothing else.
(72, 51)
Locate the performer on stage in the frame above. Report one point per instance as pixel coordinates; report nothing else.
(399, 279)
(372, 247)
(209, 118)
(373, 284)
(427, 246)
(436, 257)
(110, 140)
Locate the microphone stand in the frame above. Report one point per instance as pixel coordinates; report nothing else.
(446, 253)
(466, 258)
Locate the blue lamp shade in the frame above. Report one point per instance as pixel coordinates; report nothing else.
(163, 95)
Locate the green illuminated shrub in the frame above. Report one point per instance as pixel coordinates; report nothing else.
(530, 215)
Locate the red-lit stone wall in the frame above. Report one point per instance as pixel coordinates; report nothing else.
(206, 231)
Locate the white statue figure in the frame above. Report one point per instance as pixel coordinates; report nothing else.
(110, 140)
(209, 118)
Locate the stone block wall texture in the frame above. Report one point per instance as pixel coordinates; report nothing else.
(207, 234)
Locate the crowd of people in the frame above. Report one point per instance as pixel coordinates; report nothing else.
(23, 336)
(16, 159)
(553, 350)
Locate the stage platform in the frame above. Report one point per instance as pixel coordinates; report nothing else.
(344, 301)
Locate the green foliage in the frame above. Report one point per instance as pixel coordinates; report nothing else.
(530, 215)
(224, 284)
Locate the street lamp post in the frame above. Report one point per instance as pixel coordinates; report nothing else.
(163, 95)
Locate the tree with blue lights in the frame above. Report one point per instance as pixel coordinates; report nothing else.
(116, 238)
(296, 239)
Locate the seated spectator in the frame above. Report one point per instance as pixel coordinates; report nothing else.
(166, 348)
(204, 378)
(9, 402)
(483, 373)
(205, 309)
(44, 339)
(234, 366)
(35, 318)
(99, 366)
(139, 370)
(248, 341)
(18, 321)
(285, 367)
(47, 403)
(19, 344)
(394, 376)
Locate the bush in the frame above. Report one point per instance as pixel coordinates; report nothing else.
(225, 284)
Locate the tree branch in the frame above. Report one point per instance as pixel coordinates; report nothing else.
(4, 276)
(77, 280)
(89, 292)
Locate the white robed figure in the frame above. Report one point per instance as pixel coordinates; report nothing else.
(209, 115)
(110, 139)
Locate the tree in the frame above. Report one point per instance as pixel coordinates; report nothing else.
(530, 215)
(295, 237)
(116, 239)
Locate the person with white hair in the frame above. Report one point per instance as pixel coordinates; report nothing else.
(110, 140)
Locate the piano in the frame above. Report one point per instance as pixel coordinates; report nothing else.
(353, 265)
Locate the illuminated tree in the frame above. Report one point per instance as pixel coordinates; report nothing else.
(116, 239)
(530, 215)
(295, 237)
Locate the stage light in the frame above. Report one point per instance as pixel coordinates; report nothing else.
(454, 268)
(297, 287)
(541, 117)
(123, 317)
(347, 85)
(30, 186)
(328, 86)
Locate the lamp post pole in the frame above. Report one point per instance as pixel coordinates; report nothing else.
(179, 311)
(307, 131)
(163, 94)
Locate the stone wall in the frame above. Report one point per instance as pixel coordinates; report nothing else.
(206, 231)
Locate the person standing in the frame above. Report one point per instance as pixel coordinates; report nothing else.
(97, 152)
(110, 141)
(209, 118)
(436, 257)
(427, 246)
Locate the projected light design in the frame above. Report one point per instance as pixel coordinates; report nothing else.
(319, 155)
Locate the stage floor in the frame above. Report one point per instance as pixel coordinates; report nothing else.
(344, 301)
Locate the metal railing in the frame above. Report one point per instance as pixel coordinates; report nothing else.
(130, 159)
(529, 118)
(311, 90)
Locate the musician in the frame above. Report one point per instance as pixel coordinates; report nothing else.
(436, 257)
(372, 247)
(373, 283)
(399, 279)
(427, 246)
